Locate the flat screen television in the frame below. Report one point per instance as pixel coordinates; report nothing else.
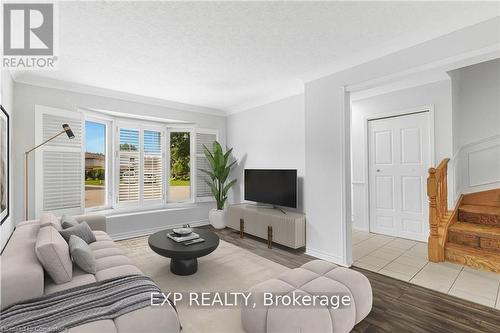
(271, 186)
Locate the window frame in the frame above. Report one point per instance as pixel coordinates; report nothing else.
(161, 130)
(192, 163)
(108, 172)
(113, 125)
(116, 154)
(215, 132)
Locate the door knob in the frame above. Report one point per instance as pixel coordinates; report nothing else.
(378, 170)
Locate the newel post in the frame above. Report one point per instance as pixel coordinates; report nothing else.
(433, 242)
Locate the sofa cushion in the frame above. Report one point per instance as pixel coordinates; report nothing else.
(106, 252)
(117, 271)
(68, 221)
(160, 319)
(49, 219)
(103, 245)
(53, 252)
(112, 261)
(317, 277)
(81, 254)
(101, 236)
(22, 274)
(79, 278)
(81, 230)
(101, 326)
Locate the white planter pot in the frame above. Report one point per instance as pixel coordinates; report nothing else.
(217, 218)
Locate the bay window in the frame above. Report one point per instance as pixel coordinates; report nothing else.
(128, 166)
(95, 164)
(180, 167)
(153, 165)
(143, 163)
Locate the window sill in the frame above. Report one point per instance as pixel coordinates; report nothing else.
(138, 209)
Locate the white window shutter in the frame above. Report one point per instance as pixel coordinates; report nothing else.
(153, 166)
(207, 138)
(59, 163)
(129, 165)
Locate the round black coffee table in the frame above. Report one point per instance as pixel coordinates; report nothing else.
(183, 257)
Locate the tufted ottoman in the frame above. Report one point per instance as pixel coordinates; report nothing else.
(317, 277)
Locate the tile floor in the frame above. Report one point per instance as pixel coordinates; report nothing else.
(406, 260)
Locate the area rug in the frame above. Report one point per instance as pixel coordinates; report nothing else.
(228, 268)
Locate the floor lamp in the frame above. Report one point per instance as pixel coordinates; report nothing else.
(69, 132)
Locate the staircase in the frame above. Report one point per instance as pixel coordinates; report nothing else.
(474, 239)
(470, 233)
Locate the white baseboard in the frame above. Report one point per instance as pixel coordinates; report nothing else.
(360, 229)
(325, 256)
(146, 232)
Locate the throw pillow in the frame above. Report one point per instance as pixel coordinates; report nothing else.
(53, 253)
(68, 221)
(81, 230)
(49, 219)
(82, 254)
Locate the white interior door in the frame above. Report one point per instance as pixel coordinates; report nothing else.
(398, 161)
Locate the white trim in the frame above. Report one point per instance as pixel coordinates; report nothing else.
(457, 61)
(326, 256)
(346, 204)
(269, 99)
(149, 231)
(462, 167)
(131, 210)
(478, 142)
(416, 80)
(396, 113)
(108, 158)
(109, 93)
(468, 167)
(360, 229)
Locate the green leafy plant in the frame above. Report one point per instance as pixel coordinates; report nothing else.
(219, 172)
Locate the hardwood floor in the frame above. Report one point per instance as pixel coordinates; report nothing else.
(398, 306)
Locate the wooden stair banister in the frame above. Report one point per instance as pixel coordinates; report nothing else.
(437, 192)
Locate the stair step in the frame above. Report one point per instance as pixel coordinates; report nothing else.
(480, 230)
(475, 258)
(474, 235)
(479, 214)
(487, 198)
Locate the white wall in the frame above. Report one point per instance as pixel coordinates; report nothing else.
(476, 131)
(269, 136)
(328, 124)
(7, 100)
(436, 94)
(27, 96)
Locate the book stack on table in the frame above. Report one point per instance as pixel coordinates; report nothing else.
(182, 238)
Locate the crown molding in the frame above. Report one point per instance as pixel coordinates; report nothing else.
(278, 95)
(109, 93)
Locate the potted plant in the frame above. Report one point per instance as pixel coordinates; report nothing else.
(218, 174)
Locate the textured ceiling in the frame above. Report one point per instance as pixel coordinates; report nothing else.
(231, 55)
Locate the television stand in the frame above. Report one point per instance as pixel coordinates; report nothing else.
(266, 206)
(287, 228)
(278, 208)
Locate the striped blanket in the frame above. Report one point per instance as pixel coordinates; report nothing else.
(76, 306)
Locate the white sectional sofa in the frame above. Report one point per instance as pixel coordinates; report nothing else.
(23, 278)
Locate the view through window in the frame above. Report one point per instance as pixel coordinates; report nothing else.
(95, 164)
(180, 167)
(129, 190)
(153, 171)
